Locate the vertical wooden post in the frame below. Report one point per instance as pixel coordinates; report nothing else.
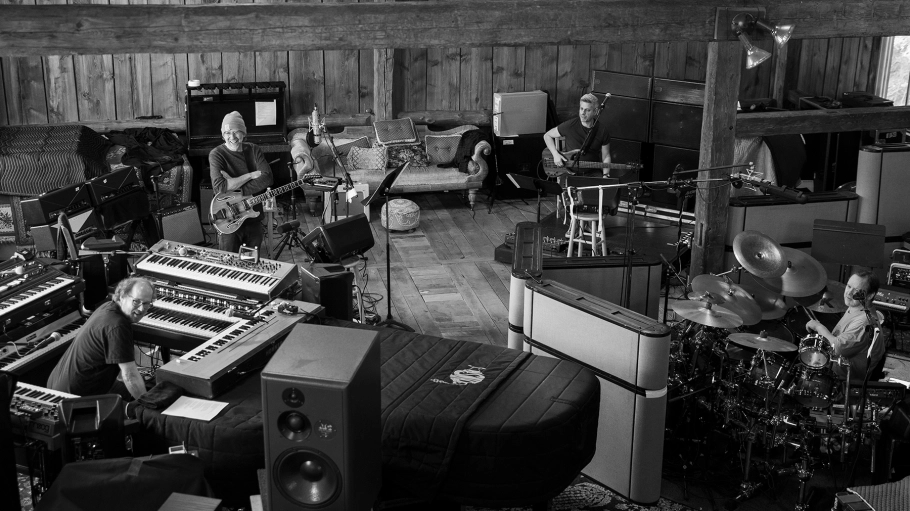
(717, 143)
(383, 69)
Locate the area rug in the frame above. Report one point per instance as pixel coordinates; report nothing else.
(585, 495)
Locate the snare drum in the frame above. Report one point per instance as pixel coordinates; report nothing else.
(812, 387)
(815, 352)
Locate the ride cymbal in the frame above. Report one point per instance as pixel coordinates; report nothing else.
(803, 276)
(831, 300)
(761, 341)
(719, 291)
(708, 314)
(771, 303)
(759, 254)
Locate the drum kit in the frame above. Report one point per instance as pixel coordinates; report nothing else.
(742, 352)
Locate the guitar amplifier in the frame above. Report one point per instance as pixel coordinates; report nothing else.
(45, 208)
(123, 208)
(106, 187)
(84, 224)
(181, 223)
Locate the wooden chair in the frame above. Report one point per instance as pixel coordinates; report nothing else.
(586, 212)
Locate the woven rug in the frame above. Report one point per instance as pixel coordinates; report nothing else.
(585, 495)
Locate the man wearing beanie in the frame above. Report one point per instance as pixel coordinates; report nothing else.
(239, 165)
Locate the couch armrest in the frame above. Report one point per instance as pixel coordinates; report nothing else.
(482, 169)
(302, 156)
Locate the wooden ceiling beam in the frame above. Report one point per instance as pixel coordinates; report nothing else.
(822, 121)
(33, 30)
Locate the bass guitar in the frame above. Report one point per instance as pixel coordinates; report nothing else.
(229, 209)
(551, 170)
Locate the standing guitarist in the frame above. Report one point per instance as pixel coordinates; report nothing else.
(583, 132)
(239, 165)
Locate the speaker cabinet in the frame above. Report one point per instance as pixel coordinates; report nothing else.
(622, 84)
(321, 414)
(626, 116)
(665, 161)
(205, 201)
(517, 155)
(329, 285)
(124, 208)
(882, 181)
(84, 224)
(181, 223)
(45, 208)
(676, 124)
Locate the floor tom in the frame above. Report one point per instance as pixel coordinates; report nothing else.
(812, 387)
(815, 352)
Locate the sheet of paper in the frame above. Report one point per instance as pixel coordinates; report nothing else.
(192, 408)
(266, 113)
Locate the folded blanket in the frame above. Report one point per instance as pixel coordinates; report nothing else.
(161, 396)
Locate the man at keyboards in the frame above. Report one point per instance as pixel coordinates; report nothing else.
(103, 347)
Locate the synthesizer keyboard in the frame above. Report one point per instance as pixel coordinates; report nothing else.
(34, 414)
(217, 270)
(20, 356)
(37, 289)
(215, 366)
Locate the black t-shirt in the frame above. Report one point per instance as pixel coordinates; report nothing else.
(89, 366)
(575, 132)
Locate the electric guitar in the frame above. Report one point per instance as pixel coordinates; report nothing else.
(230, 209)
(551, 170)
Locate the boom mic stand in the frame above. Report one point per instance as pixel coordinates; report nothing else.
(382, 191)
(290, 238)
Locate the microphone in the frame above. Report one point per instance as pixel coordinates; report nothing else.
(314, 125)
(53, 337)
(783, 192)
(604, 102)
(859, 296)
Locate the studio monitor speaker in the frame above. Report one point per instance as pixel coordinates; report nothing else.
(181, 223)
(321, 414)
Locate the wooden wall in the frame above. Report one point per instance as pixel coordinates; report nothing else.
(43, 90)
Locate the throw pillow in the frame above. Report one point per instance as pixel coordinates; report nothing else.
(441, 148)
(396, 131)
(367, 158)
(345, 147)
(400, 154)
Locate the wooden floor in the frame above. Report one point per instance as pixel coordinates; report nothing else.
(445, 281)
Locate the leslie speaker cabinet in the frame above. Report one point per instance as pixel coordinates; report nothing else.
(321, 420)
(629, 353)
(883, 183)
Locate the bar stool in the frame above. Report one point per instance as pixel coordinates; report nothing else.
(586, 212)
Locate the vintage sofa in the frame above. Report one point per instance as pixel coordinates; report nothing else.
(365, 166)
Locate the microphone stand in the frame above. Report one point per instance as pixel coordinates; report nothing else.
(348, 182)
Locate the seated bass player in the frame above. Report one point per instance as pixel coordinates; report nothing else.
(576, 131)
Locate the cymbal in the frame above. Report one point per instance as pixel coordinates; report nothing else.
(708, 314)
(803, 276)
(761, 341)
(719, 291)
(771, 304)
(759, 254)
(831, 299)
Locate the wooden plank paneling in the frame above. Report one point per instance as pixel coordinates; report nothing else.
(541, 68)
(670, 60)
(696, 60)
(508, 69)
(365, 89)
(24, 85)
(832, 67)
(80, 29)
(812, 70)
(476, 78)
(846, 75)
(573, 75)
(4, 114)
(60, 81)
(868, 59)
(443, 74)
(821, 121)
(342, 83)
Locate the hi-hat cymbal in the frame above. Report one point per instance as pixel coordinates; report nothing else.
(761, 341)
(719, 291)
(708, 314)
(759, 254)
(803, 276)
(831, 300)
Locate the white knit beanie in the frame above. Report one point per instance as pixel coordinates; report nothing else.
(233, 121)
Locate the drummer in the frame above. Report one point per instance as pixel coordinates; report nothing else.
(847, 338)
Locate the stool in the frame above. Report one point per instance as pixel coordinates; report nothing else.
(405, 215)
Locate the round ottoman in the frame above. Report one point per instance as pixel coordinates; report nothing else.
(405, 215)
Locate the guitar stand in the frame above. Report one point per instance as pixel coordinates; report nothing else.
(290, 239)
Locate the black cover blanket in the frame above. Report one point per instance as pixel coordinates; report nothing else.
(430, 387)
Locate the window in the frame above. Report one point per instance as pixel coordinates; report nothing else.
(895, 70)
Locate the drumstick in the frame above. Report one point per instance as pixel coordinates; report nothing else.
(809, 313)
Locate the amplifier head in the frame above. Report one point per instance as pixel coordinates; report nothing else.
(105, 187)
(45, 208)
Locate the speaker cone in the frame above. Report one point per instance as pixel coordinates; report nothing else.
(294, 425)
(307, 477)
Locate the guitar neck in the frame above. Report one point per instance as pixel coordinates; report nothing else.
(277, 191)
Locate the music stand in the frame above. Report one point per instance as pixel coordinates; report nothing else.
(382, 191)
(541, 186)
